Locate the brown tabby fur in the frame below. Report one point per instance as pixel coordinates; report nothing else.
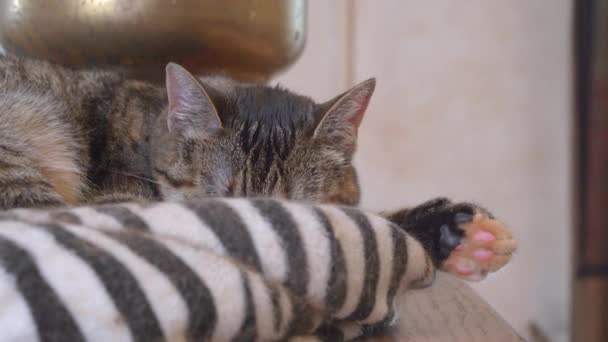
(71, 137)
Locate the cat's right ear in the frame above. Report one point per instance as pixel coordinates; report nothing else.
(339, 124)
(191, 111)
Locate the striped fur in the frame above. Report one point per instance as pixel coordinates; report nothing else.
(78, 137)
(217, 269)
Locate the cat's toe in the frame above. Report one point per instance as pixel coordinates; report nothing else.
(485, 246)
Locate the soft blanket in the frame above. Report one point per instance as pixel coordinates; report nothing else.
(217, 270)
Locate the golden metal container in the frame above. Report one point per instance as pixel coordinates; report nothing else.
(247, 39)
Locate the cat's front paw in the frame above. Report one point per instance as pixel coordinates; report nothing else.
(481, 245)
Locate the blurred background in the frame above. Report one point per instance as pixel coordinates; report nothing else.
(503, 103)
(474, 101)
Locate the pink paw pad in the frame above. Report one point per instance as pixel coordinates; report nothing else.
(483, 236)
(466, 267)
(483, 254)
(485, 247)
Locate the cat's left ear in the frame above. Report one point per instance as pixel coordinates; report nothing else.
(340, 123)
(191, 111)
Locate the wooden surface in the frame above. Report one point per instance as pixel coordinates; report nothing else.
(590, 316)
(449, 311)
(590, 286)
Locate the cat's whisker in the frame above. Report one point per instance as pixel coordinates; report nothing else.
(134, 176)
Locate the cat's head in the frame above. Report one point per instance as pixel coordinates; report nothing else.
(228, 139)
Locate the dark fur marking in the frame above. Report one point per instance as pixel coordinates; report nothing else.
(435, 224)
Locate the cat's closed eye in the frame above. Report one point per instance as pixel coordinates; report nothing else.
(176, 182)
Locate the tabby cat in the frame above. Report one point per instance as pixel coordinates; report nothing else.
(77, 136)
(71, 137)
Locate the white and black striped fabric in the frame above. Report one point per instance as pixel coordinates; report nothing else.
(211, 270)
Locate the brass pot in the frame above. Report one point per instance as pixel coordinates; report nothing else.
(247, 39)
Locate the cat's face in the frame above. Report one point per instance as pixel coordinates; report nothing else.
(257, 141)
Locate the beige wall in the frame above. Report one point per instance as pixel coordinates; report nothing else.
(473, 102)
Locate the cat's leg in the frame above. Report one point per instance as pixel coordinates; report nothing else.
(22, 185)
(460, 238)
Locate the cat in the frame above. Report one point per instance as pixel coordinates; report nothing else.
(74, 137)
(71, 137)
(225, 269)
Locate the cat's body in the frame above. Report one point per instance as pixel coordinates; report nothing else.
(69, 137)
(76, 137)
(58, 122)
(73, 137)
